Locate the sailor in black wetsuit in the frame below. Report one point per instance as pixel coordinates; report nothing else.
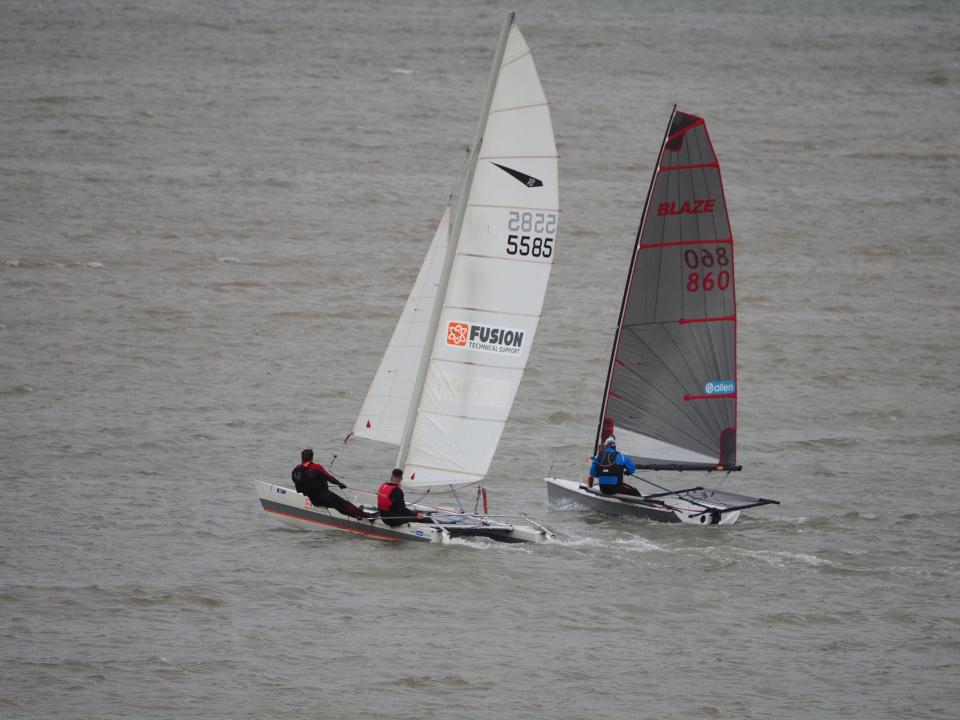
(392, 505)
(313, 480)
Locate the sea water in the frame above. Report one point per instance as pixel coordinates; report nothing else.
(210, 216)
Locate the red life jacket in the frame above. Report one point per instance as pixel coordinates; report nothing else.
(384, 503)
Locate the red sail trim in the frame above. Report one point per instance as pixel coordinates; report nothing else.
(687, 129)
(613, 394)
(730, 318)
(663, 168)
(728, 449)
(710, 397)
(723, 241)
(620, 362)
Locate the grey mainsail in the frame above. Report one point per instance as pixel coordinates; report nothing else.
(671, 388)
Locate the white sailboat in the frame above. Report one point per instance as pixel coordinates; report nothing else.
(448, 378)
(671, 387)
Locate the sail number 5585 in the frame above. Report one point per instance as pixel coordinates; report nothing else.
(532, 233)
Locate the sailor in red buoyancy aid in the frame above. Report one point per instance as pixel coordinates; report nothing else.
(392, 505)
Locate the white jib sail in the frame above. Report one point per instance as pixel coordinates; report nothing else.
(384, 410)
(498, 280)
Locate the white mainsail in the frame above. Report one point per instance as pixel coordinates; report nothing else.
(459, 395)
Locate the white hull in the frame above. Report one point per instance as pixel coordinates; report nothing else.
(295, 510)
(700, 507)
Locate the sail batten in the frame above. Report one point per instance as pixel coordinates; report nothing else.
(480, 310)
(675, 243)
(671, 383)
(536, 208)
(518, 107)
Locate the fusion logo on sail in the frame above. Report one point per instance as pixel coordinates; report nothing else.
(486, 338)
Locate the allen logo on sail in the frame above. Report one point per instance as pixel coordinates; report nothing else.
(720, 387)
(485, 338)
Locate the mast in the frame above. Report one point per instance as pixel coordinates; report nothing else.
(626, 289)
(453, 240)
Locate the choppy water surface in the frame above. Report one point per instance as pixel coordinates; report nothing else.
(210, 215)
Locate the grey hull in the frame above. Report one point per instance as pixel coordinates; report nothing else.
(557, 493)
(699, 506)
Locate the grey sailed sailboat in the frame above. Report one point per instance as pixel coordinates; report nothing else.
(670, 395)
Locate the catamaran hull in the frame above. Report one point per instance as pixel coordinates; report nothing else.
(673, 510)
(295, 510)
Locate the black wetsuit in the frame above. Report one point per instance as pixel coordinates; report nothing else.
(313, 480)
(398, 513)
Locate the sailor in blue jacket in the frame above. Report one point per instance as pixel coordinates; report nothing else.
(609, 467)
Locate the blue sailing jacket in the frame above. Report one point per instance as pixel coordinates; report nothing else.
(609, 466)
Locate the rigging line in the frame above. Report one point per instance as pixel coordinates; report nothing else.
(440, 510)
(456, 497)
(718, 488)
(651, 482)
(416, 501)
(460, 176)
(521, 56)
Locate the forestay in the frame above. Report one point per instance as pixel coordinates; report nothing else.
(505, 231)
(672, 380)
